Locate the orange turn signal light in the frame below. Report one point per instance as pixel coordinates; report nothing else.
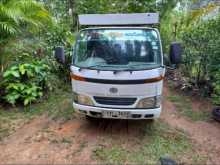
(152, 80)
(75, 77)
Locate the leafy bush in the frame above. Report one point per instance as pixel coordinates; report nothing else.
(25, 82)
(60, 35)
(19, 18)
(197, 54)
(201, 57)
(216, 93)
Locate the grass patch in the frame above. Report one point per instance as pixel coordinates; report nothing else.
(174, 98)
(58, 106)
(184, 106)
(159, 141)
(3, 133)
(63, 112)
(113, 155)
(11, 120)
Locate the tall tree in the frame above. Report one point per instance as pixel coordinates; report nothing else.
(72, 12)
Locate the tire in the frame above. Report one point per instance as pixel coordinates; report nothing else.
(150, 121)
(91, 119)
(88, 117)
(216, 113)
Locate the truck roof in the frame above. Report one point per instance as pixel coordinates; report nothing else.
(134, 19)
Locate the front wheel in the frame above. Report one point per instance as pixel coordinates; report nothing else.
(150, 121)
(91, 119)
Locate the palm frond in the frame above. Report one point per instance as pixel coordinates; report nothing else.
(22, 12)
(7, 28)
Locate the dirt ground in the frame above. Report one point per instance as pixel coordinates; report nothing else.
(45, 141)
(204, 134)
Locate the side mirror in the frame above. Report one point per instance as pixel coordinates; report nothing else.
(175, 53)
(60, 55)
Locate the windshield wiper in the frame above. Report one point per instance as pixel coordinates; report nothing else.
(98, 65)
(93, 67)
(89, 67)
(115, 71)
(135, 66)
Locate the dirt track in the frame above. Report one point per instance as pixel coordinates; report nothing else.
(44, 141)
(39, 141)
(205, 134)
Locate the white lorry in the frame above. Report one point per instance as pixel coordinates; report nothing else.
(117, 69)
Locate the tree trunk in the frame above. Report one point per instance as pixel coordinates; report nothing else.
(72, 7)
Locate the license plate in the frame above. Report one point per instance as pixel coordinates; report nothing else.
(116, 114)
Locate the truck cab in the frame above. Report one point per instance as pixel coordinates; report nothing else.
(117, 69)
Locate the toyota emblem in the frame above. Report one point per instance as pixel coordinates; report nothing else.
(113, 90)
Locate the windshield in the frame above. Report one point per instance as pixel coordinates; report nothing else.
(118, 49)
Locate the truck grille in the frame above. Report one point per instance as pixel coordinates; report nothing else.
(114, 100)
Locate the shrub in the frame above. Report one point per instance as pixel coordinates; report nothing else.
(202, 57)
(25, 82)
(216, 93)
(60, 35)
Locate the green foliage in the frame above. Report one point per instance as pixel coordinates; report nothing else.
(18, 14)
(23, 18)
(200, 38)
(58, 9)
(59, 36)
(114, 6)
(177, 19)
(197, 53)
(201, 57)
(216, 84)
(128, 6)
(25, 82)
(21, 49)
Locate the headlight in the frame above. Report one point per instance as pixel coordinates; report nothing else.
(82, 99)
(151, 102)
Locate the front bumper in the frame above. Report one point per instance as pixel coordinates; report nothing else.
(134, 113)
